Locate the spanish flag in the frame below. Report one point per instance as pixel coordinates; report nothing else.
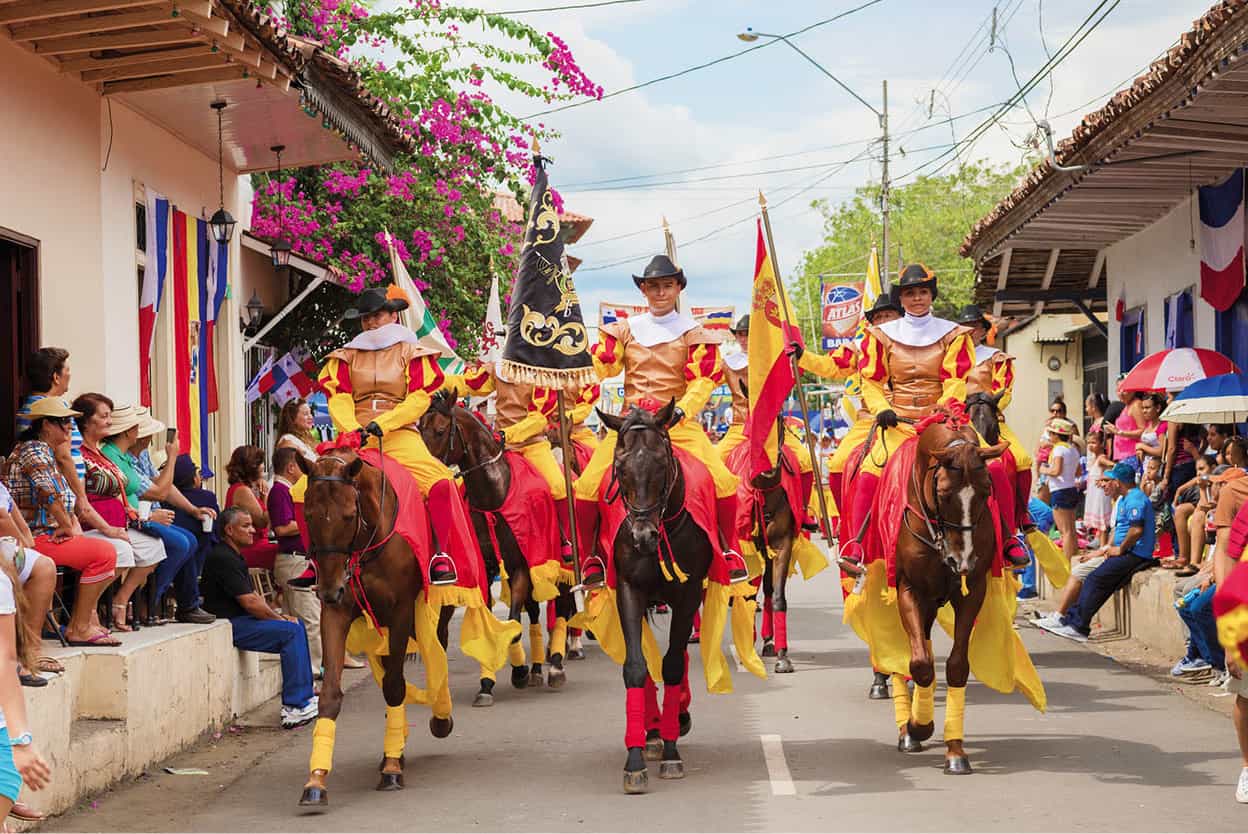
(772, 375)
(1230, 606)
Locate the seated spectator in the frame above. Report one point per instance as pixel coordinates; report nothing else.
(189, 481)
(1192, 502)
(228, 593)
(291, 561)
(1132, 551)
(1216, 436)
(1080, 567)
(36, 574)
(1195, 609)
(47, 503)
(1062, 471)
(249, 490)
(1235, 452)
(105, 484)
(19, 758)
(47, 375)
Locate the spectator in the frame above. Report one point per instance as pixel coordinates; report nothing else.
(1216, 437)
(187, 478)
(1132, 551)
(1041, 516)
(294, 429)
(1095, 406)
(1096, 502)
(1229, 550)
(1152, 430)
(291, 561)
(1193, 502)
(228, 593)
(46, 501)
(1235, 452)
(1062, 473)
(36, 574)
(47, 375)
(106, 487)
(1204, 653)
(1184, 442)
(1080, 568)
(19, 758)
(249, 490)
(1126, 427)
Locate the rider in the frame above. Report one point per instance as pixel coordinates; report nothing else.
(582, 406)
(663, 354)
(379, 384)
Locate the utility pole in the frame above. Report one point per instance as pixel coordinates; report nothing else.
(885, 186)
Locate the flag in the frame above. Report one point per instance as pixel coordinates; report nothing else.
(188, 281)
(713, 318)
(1222, 241)
(254, 391)
(872, 289)
(156, 267)
(216, 287)
(547, 343)
(291, 366)
(492, 330)
(771, 374)
(417, 317)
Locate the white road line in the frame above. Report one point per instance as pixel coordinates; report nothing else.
(777, 767)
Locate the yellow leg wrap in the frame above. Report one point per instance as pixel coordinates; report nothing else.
(487, 673)
(955, 711)
(396, 731)
(923, 709)
(537, 642)
(559, 637)
(901, 701)
(515, 654)
(323, 745)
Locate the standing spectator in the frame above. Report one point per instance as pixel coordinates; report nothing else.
(1152, 429)
(1062, 473)
(1095, 406)
(1097, 504)
(228, 593)
(1126, 427)
(249, 491)
(46, 501)
(1184, 442)
(1132, 551)
(291, 561)
(47, 375)
(294, 430)
(19, 758)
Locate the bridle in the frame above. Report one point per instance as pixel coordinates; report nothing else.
(935, 523)
(455, 432)
(356, 557)
(671, 476)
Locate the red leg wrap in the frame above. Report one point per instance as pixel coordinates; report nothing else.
(782, 630)
(653, 716)
(767, 619)
(550, 615)
(835, 482)
(1003, 491)
(635, 717)
(669, 728)
(1022, 493)
(686, 694)
(865, 486)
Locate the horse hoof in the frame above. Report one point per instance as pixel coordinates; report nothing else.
(636, 781)
(769, 648)
(483, 699)
(576, 654)
(390, 782)
(784, 666)
(314, 798)
(922, 732)
(958, 766)
(672, 770)
(686, 723)
(909, 744)
(520, 676)
(654, 746)
(556, 677)
(441, 727)
(879, 692)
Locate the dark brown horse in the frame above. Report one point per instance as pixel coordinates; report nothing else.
(776, 529)
(983, 410)
(651, 487)
(945, 550)
(351, 513)
(456, 437)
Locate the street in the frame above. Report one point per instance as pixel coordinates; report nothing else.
(800, 752)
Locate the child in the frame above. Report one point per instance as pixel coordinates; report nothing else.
(1192, 503)
(1096, 503)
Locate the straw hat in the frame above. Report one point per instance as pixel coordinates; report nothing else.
(149, 426)
(125, 417)
(49, 407)
(1057, 425)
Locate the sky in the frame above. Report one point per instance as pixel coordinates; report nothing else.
(768, 120)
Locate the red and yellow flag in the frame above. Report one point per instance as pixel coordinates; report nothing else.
(771, 375)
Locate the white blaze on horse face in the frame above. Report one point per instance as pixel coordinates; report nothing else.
(966, 497)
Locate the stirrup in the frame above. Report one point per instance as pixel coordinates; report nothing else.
(593, 574)
(737, 569)
(442, 570)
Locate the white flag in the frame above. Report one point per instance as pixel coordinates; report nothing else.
(493, 331)
(417, 317)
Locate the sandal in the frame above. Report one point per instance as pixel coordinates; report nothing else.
(51, 664)
(119, 623)
(1187, 570)
(100, 640)
(24, 812)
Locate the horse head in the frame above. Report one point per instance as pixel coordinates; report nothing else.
(984, 412)
(437, 427)
(961, 487)
(333, 509)
(645, 469)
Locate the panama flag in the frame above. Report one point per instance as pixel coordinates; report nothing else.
(296, 376)
(154, 271)
(771, 369)
(1222, 241)
(253, 388)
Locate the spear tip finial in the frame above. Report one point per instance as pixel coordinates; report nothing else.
(537, 147)
(762, 201)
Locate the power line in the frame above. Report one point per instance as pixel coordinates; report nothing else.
(566, 8)
(706, 64)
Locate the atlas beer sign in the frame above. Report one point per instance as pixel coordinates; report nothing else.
(842, 307)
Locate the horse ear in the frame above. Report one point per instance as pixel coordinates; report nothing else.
(354, 468)
(991, 452)
(611, 421)
(664, 417)
(997, 398)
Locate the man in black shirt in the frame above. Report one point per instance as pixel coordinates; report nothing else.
(228, 593)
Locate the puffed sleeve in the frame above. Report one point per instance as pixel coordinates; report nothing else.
(335, 380)
(838, 364)
(703, 373)
(541, 408)
(873, 371)
(608, 354)
(424, 377)
(477, 381)
(958, 361)
(1003, 379)
(585, 402)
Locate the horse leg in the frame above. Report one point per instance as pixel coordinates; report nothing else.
(518, 581)
(632, 608)
(675, 686)
(654, 717)
(957, 671)
(537, 641)
(394, 690)
(768, 629)
(919, 724)
(780, 606)
(562, 605)
(335, 620)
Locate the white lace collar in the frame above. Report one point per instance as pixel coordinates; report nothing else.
(917, 331)
(984, 352)
(388, 335)
(649, 330)
(738, 360)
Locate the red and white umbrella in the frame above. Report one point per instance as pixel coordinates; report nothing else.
(1174, 370)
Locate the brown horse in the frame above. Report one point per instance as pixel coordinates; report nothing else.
(351, 512)
(776, 530)
(945, 549)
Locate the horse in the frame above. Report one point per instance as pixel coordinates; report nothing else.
(362, 566)
(650, 485)
(456, 437)
(983, 410)
(945, 549)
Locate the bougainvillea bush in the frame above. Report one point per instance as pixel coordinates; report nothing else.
(435, 65)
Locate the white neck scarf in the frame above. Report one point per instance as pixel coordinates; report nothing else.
(649, 330)
(984, 352)
(917, 331)
(738, 360)
(383, 337)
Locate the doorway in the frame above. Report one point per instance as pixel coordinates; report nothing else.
(19, 295)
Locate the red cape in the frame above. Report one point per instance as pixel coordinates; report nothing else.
(748, 498)
(529, 511)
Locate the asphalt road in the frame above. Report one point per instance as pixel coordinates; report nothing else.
(800, 752)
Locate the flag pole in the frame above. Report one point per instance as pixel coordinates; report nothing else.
(797, 375)
(565, 445)
(669, 244)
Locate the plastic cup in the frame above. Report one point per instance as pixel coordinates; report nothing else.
(145, 510)
(207, 523)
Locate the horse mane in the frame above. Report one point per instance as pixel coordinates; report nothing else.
(444, 401)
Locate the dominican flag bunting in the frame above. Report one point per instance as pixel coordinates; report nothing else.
(253, 388)
(712, 318)
(154, 271)
(1222, 241)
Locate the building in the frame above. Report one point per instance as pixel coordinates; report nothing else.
(1109, 224)
(106, 100)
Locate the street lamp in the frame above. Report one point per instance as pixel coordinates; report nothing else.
(255, 309)
(221, 222)
(280, 250)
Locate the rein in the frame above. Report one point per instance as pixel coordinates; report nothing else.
(935, 523)
(671, 477)
(456, 432)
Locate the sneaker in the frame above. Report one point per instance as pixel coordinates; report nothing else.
(442, 570)
(1220, 678)
(1027, 593)
(1241, 789)
(1048, 621)
(737, 571)
(1069, 632)
(293, 717)
(1187, 666)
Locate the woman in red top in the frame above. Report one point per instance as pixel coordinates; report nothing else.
(250, 491)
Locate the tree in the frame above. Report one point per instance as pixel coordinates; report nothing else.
(930, 218)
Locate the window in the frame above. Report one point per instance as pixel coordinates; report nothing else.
(1178, 318)
(1231, 331)
(1133, 340)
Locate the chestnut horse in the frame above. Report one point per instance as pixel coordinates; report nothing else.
(777, 529)
(351, 513)
(657, 527)
(945, 549)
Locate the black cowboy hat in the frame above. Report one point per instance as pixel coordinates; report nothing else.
(375, 300)
(882, 303)
(914, 275)
(661, 266)
(971, 316)
(742, 325)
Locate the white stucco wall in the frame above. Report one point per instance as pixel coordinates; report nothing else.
(1151, 265)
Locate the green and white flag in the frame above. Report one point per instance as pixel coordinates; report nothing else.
(417, 317)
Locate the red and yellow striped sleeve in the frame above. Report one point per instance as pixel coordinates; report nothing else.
(335, 381)
(477, 381)
(608, 356)
(1003, 379)
(873, 372)
(838, 364)
(703, 372)
(954, 368)
(585, 402)
(541, 407)
(424, 377)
